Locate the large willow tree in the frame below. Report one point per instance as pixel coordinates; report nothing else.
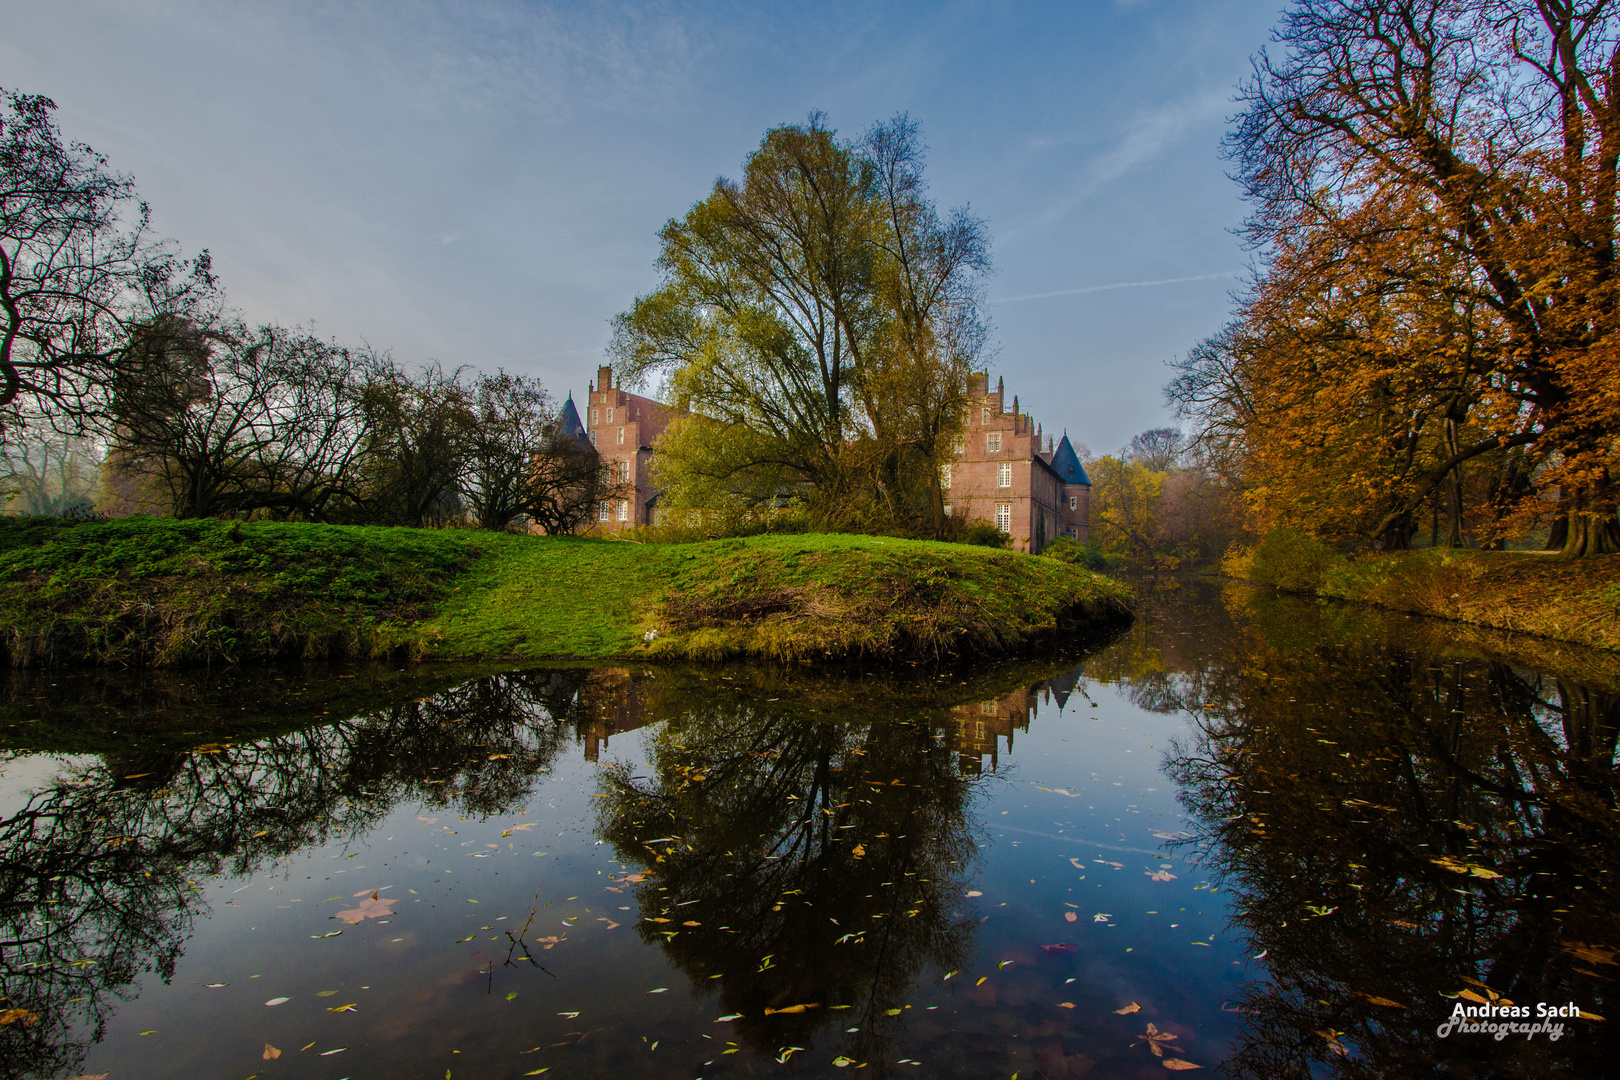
(1433, 184)
(819, 318)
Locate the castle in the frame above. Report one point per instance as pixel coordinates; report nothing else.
(1000, 472)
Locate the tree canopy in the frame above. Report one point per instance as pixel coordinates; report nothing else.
(819, 318)
(1433, 324)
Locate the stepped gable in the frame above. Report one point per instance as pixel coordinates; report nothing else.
(1066, 463)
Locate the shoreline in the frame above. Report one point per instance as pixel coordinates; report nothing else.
(158, 592)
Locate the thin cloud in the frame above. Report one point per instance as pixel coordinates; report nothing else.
(1115, 285)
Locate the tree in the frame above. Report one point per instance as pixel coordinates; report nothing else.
(77, 265)
(822, 311)
(416, 432)
(521, 463)
(48, 472)
(227, 419)
(1126, 511)
(1463, 160)
(1160, 449)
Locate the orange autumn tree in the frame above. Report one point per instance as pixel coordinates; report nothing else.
(1433, 188)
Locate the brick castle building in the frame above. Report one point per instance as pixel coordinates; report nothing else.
(1001, 473)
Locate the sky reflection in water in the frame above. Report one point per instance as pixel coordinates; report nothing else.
(743, 871)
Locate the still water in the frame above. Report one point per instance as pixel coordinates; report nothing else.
(1249, 835)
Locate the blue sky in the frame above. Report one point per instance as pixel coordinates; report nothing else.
(482, 182)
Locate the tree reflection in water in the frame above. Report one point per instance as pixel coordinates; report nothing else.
(100, 868)
(804, 851)
(1403, 817)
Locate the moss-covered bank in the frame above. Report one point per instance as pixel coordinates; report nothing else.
(1527, 592)
(146, 591)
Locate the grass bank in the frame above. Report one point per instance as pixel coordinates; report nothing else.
(1526, 592)
(157, 592)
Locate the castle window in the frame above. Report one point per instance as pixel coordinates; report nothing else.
(621, 432)
(984, 416)
(610, 415)
(958, 445)
(624, 509)
(945, 477)
(603, 511)
(1004, 517)
(947, 508)
(988, 708)
(1074, 502)
(992, 442)
(1004, 474)
(594, 415)
(624, 472)
(978, 730)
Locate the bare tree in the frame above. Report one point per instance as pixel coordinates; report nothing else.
(77, 264)
(1160, 449)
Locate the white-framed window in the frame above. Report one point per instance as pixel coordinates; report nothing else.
(603, 512)
(992, 442)
(624, 509)
(945, 477)
(1074, 502)
(984, 415)
(1004, 517)
(978, 730)
(624, 472)
(1004, 474)
(621, 436)
(594, 416)
(610, 415)
(988, 708)
(948, 509)
(958, 445)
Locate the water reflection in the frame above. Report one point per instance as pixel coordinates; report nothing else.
(1405, 817)
(805, 848)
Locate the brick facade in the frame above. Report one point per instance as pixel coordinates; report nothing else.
(1002, 474)
(623, 427)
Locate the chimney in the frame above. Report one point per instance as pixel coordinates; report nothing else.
(604, 378)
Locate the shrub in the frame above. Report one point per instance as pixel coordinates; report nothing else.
(1290, 560)
(1069, 550)
(985, 535)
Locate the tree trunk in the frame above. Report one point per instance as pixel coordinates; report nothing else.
(1592, 528)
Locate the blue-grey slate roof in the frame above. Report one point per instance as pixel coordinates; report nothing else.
(571, 423)
(1066, 463)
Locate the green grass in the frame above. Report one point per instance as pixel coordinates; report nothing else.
(148, 591)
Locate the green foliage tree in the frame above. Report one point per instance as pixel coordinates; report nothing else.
(825, 316)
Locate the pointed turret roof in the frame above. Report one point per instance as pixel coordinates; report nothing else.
(1066, 463)
(571, 423)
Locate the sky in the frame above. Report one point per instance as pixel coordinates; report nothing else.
(482, 182)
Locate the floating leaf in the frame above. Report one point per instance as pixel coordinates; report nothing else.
(974, 892)
(345, 1008)
(793, 1009)
(842, 1062)
(278, 1001)
(1127, 1010)
(893, 1012)
(329, 1053)
(568, 1015)
(858, 851)
(982, 980)
(1160, 875)
(1382, 1001)
(728, 1019)
(1065, 1004)
(325, 993)
(369, 908)
(1005, 964)
(1179, 1064)
(660, 990)
(270, 1052)
(1069, 916)
(215, 986)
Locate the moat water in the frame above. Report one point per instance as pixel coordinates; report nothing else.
(1252, 835)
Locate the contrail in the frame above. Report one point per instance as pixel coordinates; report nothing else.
(1115, 285)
